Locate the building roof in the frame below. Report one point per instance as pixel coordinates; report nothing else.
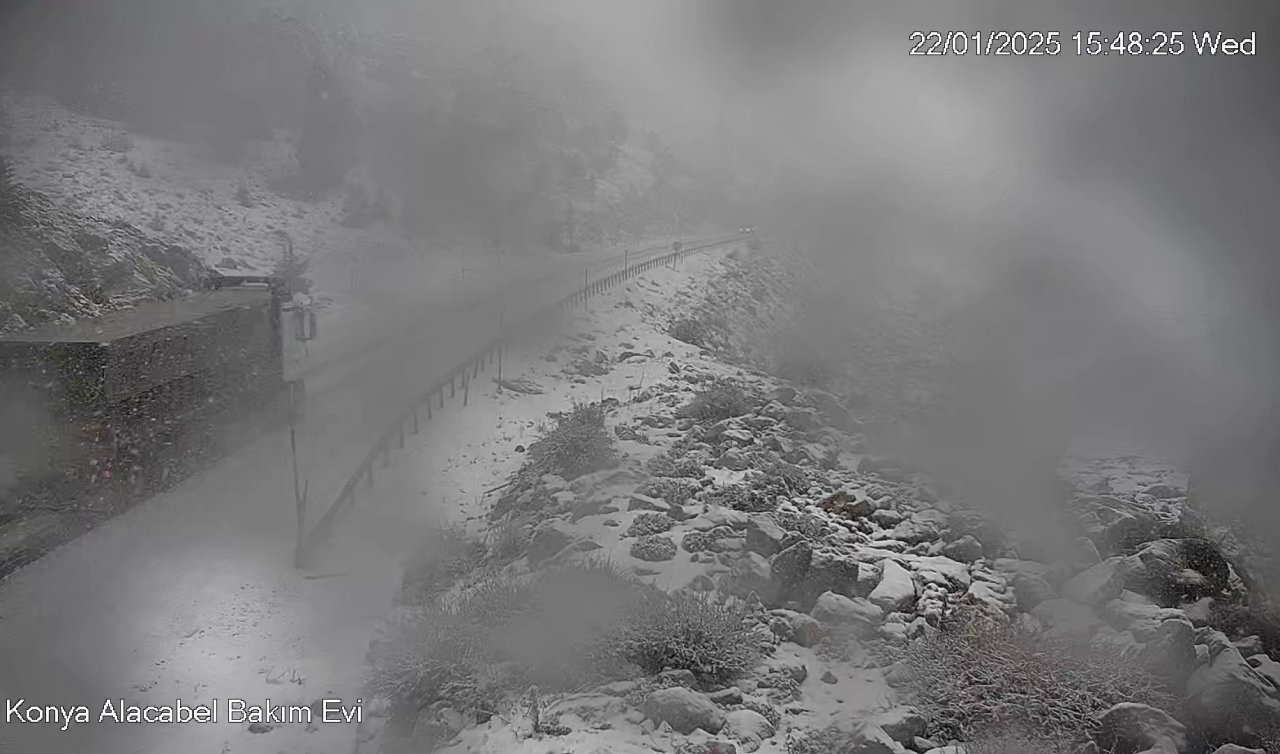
(145, 317)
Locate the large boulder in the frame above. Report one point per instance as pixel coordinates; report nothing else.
(549, 539)
(1030, 590)
(1115, 525)
(1064, 618)
(966, 522)
(801, 572)
(684, 710)
(1129, 728)
(830, 570)
(791, 565)
(764, 535)
(748, 728)
(1227, 698)
(869, 738)
(1102, 583)
(750, 573)
(896, 590)
(833, 411)
(902, 724)
(1175, 571)
(860, 615)
(914, 531)
(966, 549)
(1171, 650)
(1032, 582)
(1130, 612)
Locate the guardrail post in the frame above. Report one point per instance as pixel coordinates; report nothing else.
(586, 282)
(452, 388)
(442, 396)
(415, 419)
(466, 387)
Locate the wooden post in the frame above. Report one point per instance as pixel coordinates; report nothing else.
(466, 388)
(586, 281)
(452, 387)
(415, 420)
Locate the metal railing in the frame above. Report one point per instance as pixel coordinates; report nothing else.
(460, 378)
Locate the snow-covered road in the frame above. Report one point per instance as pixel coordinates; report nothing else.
(192, 596)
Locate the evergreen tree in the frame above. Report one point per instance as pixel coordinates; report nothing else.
(327, 147)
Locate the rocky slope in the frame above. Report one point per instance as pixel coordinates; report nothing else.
(798, 592)
(59, 265)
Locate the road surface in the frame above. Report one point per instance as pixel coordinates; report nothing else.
(192, 596)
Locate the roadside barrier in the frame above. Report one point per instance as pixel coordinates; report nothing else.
(422, 408)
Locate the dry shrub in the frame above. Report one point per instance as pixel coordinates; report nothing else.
(976, 675)
(577, 444)
(723, 399)
(492, 634)
(437, 564)
(650, 522)
(711, 635)
(829, 740)
(666, 465)
(689, 331)
(1015, 741)
(673, 491)
(508, 541)
(478, 645)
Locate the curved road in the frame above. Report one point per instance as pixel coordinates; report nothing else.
(193, 596)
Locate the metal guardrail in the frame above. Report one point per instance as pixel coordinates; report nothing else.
(460, 377)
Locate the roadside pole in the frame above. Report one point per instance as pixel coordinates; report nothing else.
(299, 494)
(502, 316)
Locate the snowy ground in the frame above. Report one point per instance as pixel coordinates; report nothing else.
(445, 475)
(193, 594)
(173, 189)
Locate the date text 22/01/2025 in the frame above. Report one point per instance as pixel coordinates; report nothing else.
(959, 43)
